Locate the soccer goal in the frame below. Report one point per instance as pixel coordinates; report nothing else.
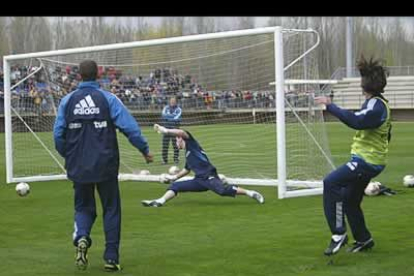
(246, 96)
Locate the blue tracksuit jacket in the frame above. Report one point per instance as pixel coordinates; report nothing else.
(85, 133)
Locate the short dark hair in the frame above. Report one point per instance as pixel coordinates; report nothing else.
(88, 70)
(373, 75)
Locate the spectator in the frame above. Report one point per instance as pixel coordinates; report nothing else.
(208, 100)
(1, 102)
(171, 117)
(37, 100)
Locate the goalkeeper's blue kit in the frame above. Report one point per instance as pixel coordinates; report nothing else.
(344, 187)
(206, 177)
(85, 135)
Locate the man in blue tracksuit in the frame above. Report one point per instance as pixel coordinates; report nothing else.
(344, 187)
(85, 135)
(171, 118)
(206, 176)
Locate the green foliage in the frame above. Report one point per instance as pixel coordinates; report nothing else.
(203, 234)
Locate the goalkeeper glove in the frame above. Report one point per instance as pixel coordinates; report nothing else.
(171, 178)
(160, 129)
(167, 178)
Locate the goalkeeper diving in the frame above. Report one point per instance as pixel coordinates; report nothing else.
(206, 176)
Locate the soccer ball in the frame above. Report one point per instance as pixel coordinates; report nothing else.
(408, 181)
(373, 189)
(173, 170)
(144, 172)
(22, 189)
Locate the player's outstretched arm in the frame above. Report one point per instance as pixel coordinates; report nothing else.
(182, 173)
(171, 178)
(175, 132)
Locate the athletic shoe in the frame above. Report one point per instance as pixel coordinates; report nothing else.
(151, 203)
(259, 198)
(334, 246)
(112, 266)
(361, 246)
(82, 254)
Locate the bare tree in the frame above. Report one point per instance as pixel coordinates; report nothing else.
(204, 24)
(246, 22)
(172, 26)
(19, 30)
(329, 48)
(292, 22)
(40, 38)
(30, 34)
(382, 37)
(97, 30)
(58, 33)
(274, 21)
(141, 28)
(396, 41)
(127, 32)
(4, 39)
(221, 24)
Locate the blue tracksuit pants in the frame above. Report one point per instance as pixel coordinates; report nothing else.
(200, 185)
(85, 214)
(342, 195)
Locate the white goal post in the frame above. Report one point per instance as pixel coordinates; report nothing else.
(255, 132)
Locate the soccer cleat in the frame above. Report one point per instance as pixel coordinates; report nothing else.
(112, 266)
(334, 246)
(361, 246)
(82, 254)
(151, 203)
(259, 198)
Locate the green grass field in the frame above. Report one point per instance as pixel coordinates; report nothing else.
(203, 234)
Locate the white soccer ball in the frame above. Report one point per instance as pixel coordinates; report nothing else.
(173, 170)
(408, 181)
(223, 178)
(144, 172)
(22, 189)
(373, 189)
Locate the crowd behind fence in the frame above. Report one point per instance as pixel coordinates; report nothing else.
(41, 93)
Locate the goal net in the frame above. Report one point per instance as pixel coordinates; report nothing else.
(225, 84)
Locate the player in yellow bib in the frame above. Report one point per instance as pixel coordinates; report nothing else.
(344, 187)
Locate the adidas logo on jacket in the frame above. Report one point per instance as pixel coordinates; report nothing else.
(86, 107)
